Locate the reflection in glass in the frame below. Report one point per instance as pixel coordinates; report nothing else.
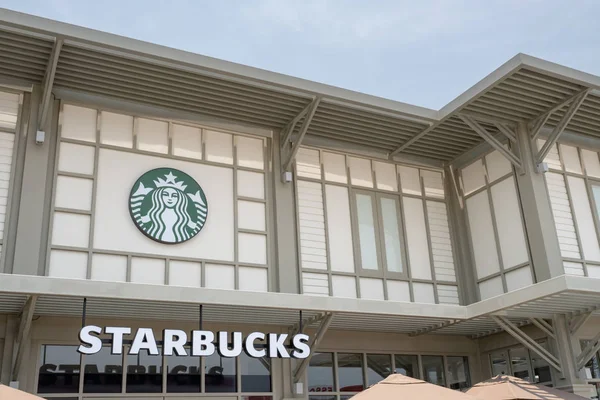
(592, 368)
(541, 368)
(256, 374)
(499, 364)
(458, 372)
(320, 373)
(144, 373)
(220, 374)
(407, 365)
(183, 373)
(102, 372)
(596, 192)
(322, 398)
(350, 372)
(379, 367)
(433, 370)
(393, 252)
(59, 369)
(519, 361)
(366, 232)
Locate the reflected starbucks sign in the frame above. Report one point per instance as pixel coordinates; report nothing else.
(199, 343)
(168, 205)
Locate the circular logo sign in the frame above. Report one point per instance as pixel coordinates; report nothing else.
(168, 205)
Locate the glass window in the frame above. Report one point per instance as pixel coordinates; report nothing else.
(499, 364)
(379, 367)
(144, 373)
(458, 372)
(256, 374)
(59, 369)
(541, 368)
(183, 373)
(320, 373)
(220, 374)
(391, 234)
(366, 231)
(433, 370)
(103, 372)
(407, 365)
(519, 361)
(350, 372)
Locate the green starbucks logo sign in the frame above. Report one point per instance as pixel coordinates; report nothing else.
(168, 205)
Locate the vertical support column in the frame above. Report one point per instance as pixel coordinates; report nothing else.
(537, 212)
(284, 207)
(6, 362)
(465, 269)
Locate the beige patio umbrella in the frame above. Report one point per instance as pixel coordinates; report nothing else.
(8, 393)
(504, 387)
(398, 386)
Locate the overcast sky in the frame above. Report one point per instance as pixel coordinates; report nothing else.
(420, 52)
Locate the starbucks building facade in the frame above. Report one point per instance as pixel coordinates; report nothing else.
(174, 226)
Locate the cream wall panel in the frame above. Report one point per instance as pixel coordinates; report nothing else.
(473, 177)
(570, 157)
(371, 288)
(74, 193)
(482, 235)
(70, 229)
(573, 268)
(308, 164)
(361, 173)
(219, 147)
(386, 176)
(416, 238)
(433, 183)
(591, 163)
(251, 215)
(9, 109)
(513, 244)
(147, 270)
(339, 229)
(391, 234)
(441, 246)
(343, 286)
(152, 135)
(491, 288)
(250, 152)
(497, 165)
(78, 123)
(118, 233)
(519, 278)
(253, 279)
(563, 219)
(448, 294)
(584, 218)
(185, 273)
(76, 158)
(187, 141)
(317, 284)
(423, 293)
(334, 166)
(109, 267)
(398, 291)
(68, 264)
(593, 271)
(116, 129)
(410, 180)
(6, 151)
(219, 276)
(252, 248)
(311, 219)
(251, 184)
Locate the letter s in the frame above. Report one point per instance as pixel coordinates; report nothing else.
(94, 343)
(300, 343)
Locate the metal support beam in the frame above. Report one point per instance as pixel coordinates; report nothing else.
(457, 191)
(314, 343)
(588, 352)
(506, 131)
(23, 334)
(48, 84)
(543, 326)
(499, 329)
(414, 138)
(560, 127)
(289, 128)
(301, 326)
(288, 156)
(435, 327)
(538, 123)
(577, 322)
(488, 137)
(527, 341)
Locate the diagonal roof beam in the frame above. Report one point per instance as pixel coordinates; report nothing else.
(435, 327)
(560, 127)
(539, 122)
(48, 84)
(289, 128)
(286, 162)
(415, 138)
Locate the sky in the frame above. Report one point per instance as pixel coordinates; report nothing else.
(422, 52)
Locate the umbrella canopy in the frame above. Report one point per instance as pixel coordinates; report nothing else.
(8, 393)
(398, 386)
(503, 387)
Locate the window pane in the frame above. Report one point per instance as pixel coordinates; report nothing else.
(183, 373)
(499, 364)
(596, 191)
(59, 369)
(144, 373)
(366, 231)
(541, 368)
(220, 374)
(103, 372)
(407, 365)
(256, 374)
(350, 372)
(379, 367)
(458, 372)
(520, 363)
(393, 249)
(433, 370)
(320, 373)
